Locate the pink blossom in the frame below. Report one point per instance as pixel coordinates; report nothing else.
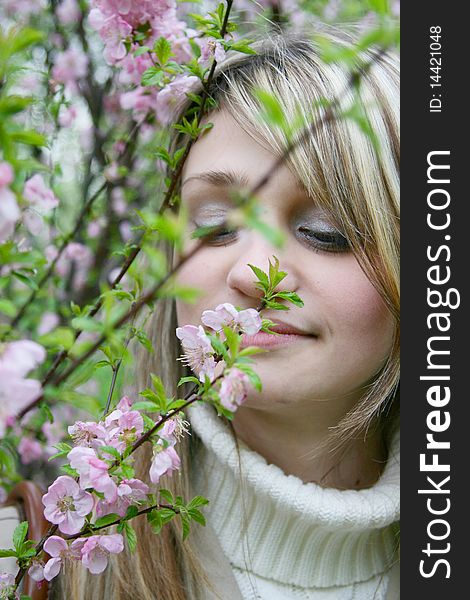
(113, 31)
(33, 221)
(93, 472)
(234, 389)
(21, 356)
(172, 97)
(124, 428)
(9, 213)
(226, 315)
(210, 48)
(29, 450)
(6, 174)
(58, 550)
(70, 66)
(7, 585)
(130, 491)
(48, 322)
(67, 115)
(36, 571)
(140, 100)
(88, 434)
(78, 252)
(164, 462)
(198, 351)
(39, 195)
(68, 12)
(119, 203)
(133, 67)
(125, 229)
(50, 253)
(82, 258)
(15, 394)
(23, 8)
(66, 505)
(95, 227)
(167, 432)
(97, 548)
(250, 321)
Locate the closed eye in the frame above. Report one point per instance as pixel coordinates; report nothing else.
(326, 240)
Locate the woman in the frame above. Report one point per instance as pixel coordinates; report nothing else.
(304, 497)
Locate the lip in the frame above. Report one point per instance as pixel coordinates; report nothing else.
(288, 335)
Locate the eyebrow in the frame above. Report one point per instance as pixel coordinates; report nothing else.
(220, 178)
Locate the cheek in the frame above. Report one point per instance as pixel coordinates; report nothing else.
(357, 315)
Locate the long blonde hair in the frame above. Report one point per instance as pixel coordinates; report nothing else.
(340, 168)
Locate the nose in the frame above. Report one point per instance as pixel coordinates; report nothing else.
(257, 251)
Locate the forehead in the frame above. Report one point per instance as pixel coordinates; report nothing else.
(227, 156)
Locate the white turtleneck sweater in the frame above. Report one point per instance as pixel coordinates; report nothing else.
(286, 539)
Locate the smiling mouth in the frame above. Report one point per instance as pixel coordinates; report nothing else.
(288, 335)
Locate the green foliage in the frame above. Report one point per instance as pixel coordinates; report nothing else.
(268, 283)
(162, 49)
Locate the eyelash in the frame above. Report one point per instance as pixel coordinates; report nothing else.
(333, 241)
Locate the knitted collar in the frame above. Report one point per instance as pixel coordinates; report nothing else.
(282, 529)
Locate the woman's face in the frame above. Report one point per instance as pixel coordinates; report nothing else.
(346, 329)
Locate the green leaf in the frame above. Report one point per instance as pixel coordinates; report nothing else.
(167, 496)
(275, 276)
(29, 137)
(19, 535)
(142, 405)
(290, 297)
(63, 450)
(67, 469)
(127, 471)
(197, 501)
(131, 512)
(106, 520)
(7, 307)
(176, 404)
(131, 536)
(59, 338)
(261, 275)
(26, 280)
(155, 520)
(141, 50)
(186, 523)
(110, 450)
(46, 412)
(86, 324)
(189, 379)
(196, 515)
(7, 553)
(162, 49)
(242, 46)
(381, 7)
(153, 76)
(272, 111)
(11, 105)
(24, 38)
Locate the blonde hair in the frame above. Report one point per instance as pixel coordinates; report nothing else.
(341, 170)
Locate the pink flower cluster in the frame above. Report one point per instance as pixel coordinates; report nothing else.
(115, 20)
(7, 585)
(68, 502)
(200, 356)
(17, 359)
(9, 211)
(93, 552)
(71, 503)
